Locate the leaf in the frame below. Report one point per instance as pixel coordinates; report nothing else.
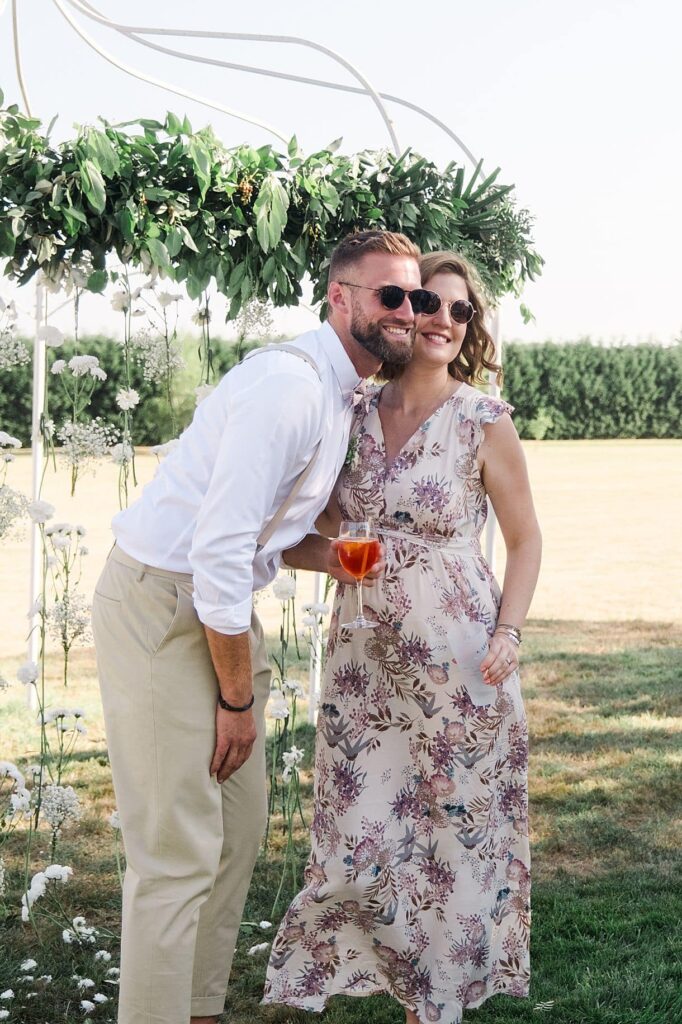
(187, 238)
(173, 124)
(97, 281)
(199, 156)
(100, 147)
(173, 242)
(92, 184)
(158, 252)
(292, 148)
(270, 209)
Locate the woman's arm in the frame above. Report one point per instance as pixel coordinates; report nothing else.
(505, 477)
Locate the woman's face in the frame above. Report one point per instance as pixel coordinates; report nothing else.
(438, 338)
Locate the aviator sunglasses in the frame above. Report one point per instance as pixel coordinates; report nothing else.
(422, 301)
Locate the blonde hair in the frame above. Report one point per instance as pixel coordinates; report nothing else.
(478, 348)
(356, 246)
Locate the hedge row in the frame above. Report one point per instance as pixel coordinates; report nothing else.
(559, 391)
(582, 390)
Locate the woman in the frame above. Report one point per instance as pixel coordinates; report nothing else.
(418, 881)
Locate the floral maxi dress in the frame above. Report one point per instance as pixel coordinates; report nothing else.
(418, 881)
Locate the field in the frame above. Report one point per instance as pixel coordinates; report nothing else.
(601, 671)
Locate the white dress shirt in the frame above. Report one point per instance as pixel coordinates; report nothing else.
(234, 467)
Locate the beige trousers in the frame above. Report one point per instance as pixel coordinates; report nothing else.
(190, 843)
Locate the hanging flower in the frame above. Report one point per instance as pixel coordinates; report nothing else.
(51, 335)
(284, 588)
(120, 301)
(165, 298)
(7, 441)
(80, 366)
(58, 366)
(27, 673)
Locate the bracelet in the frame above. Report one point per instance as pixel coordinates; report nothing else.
(233, 707)
(513, 632)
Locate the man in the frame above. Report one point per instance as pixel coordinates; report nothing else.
(182, 665)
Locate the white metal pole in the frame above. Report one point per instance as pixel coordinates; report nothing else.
(315, 664)
(494, 390)
(37, 470)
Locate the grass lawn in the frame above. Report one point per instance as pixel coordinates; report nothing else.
(605, 707)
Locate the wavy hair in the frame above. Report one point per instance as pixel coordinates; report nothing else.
(478, 348)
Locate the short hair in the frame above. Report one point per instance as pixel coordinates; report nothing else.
(356, 246)
(478, 348)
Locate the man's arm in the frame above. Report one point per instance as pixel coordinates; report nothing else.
(235, 730)
(318, 554)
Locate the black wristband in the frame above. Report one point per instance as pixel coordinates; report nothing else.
(233, 707)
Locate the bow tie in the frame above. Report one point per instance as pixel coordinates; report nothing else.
(360, 395)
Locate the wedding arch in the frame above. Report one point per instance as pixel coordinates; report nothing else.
(252, 222)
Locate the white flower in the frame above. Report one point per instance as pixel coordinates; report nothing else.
(277, 705)
(60, 543)
(80, 366)
(120, 301)
(28, 672)
(103, 954)
(320, 609)
(122, 454)
(87, 1006)
(84, 443)
(309, 620)
(260, 947)
(58, 366)
(67, 936)
(7, 994)
(28, 965)
(84, 983)
(264, 925)
(85, 551)
(7, 457)
(293, 756)
(202, 316)
(113, 973)
(40, 511)
(165, 298)
(203, 391)
(59, 873)
(114, 820)
(284, 588)
(293, 687)
(10, 770)
(60, 807)
(158, 355)
(99, 998)
(7, 441)
(52, 336)
(127, 398)
(4, 1014)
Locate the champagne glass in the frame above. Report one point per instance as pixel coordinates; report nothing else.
(359, 549)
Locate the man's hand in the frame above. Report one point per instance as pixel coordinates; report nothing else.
(335, 569)
(235, 733)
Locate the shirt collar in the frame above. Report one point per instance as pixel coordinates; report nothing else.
(344, 371)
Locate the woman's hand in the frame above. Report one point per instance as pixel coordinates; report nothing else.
(335, 569)
(501, 660)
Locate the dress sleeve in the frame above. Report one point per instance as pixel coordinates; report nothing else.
(488, 409)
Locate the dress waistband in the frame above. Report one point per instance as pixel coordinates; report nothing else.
(431, 541)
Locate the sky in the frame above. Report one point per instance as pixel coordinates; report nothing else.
(578, 103)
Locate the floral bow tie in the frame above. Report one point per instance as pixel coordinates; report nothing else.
(361, 394)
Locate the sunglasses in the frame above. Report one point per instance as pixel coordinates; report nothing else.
(422, 301)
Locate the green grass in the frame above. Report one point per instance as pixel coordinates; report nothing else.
(605, 707)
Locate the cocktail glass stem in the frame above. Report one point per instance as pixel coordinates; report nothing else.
(361, 613)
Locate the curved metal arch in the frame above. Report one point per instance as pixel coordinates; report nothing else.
(132, 30)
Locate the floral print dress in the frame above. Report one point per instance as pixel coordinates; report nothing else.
(418, 882)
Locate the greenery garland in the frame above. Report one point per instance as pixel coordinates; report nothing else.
(254, 221)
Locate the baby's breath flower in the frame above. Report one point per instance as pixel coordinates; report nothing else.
(13, 352)
(13, 508)
(159, 357)
(60, 807)
(122, 453)
(84, 443)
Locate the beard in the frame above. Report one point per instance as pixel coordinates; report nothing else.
(369, 335)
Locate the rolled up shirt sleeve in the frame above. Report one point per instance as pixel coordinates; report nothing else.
(271, 431)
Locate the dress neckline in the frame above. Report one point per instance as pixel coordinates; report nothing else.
(389, 465)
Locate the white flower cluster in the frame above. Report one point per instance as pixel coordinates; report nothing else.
(278, 707)
(80, 366)
(80, 932)
(260, 947)
(60, 807)
(291, 759)
(122, 453)
(60, 715)
(254, 320)
(293, 687)
(13, 509)
(19, 804)
(84, 443)
(38, 887)
(13, 352)
(157, 357)
(284, 588)
(40, 511)
(27, 673)
(68, 620)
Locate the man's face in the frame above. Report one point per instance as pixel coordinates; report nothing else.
(388, 334)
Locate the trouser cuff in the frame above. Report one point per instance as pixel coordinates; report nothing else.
(207, 1006)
